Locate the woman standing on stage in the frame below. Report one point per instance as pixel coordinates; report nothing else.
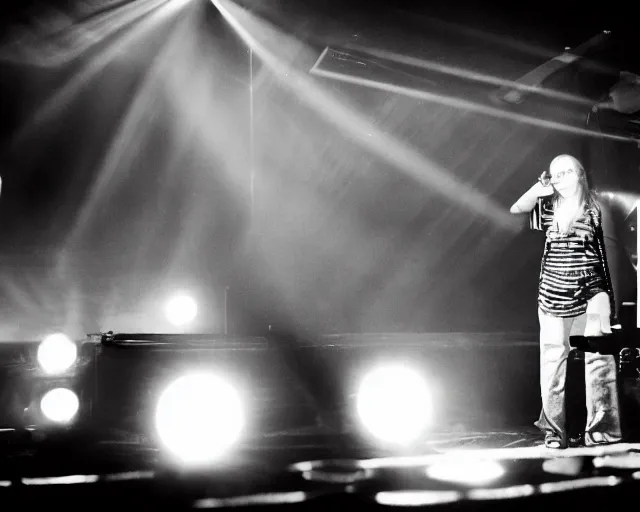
(575, 296)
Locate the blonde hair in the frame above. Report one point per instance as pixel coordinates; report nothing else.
(587, 197)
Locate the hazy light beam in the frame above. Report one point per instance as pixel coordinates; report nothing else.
(469, 106)
(468, 74)
(500, 40)
(63, 38)
(362, 130)
(63, 96)
(127, 140)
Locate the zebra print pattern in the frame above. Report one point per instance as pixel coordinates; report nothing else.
(572, 270)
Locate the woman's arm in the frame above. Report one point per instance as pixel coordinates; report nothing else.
(529, 199)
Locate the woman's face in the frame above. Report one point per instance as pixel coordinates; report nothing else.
(565, 176)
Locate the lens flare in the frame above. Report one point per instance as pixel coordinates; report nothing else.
(56, 354)
(60, 405)
(199, 418)
(394, 404)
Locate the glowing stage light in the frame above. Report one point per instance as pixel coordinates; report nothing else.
(181, 310)
(466, 470)
(56, 354)
(394, 404)
(199, 418)
(60, 405)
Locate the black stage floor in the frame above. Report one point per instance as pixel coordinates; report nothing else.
(296, 470)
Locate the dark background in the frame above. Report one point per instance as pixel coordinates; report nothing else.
(127, 159)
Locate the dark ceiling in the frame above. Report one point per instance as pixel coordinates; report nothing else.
(550, 25)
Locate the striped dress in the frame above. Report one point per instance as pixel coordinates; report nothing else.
(574, 267)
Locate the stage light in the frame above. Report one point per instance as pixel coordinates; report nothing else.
(199, 418)
(56, 354)
(465, 470)
(181, 310)
(60, 405)
(394, 404)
